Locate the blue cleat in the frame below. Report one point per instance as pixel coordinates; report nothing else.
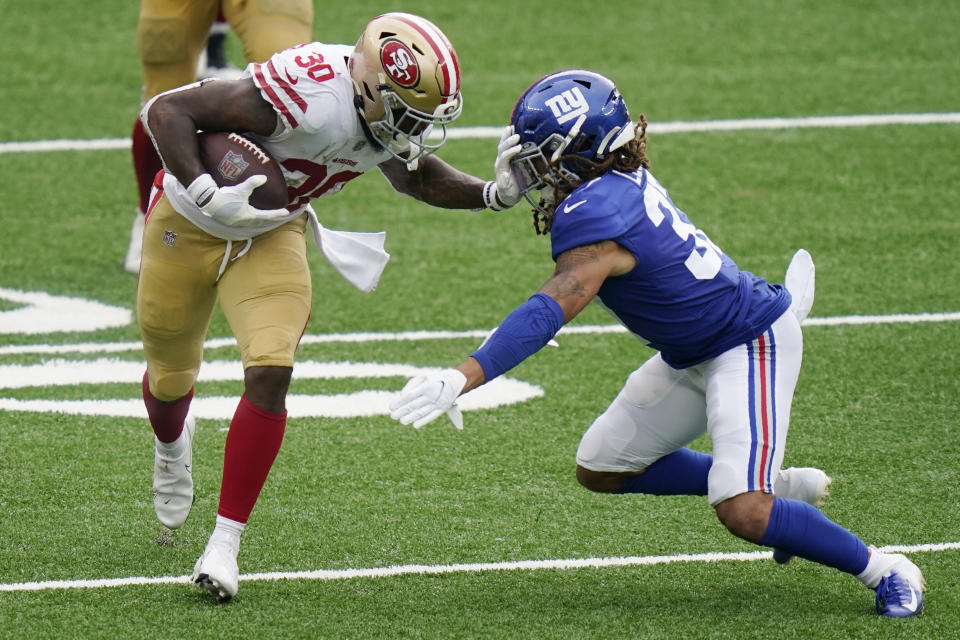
(900, 594)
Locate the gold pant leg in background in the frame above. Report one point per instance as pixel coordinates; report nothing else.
(170, 36)
(268, 26)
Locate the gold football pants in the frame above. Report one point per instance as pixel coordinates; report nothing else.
(264, 291)
(172, 33)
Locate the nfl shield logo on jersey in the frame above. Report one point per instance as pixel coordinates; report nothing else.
(232, 165)
(169, 238)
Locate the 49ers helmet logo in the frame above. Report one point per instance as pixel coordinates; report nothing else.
(399, 63)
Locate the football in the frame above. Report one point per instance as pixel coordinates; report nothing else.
(230, 158)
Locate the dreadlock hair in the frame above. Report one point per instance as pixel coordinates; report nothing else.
(625, 159)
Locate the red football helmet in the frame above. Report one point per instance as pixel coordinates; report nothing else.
(407, 80)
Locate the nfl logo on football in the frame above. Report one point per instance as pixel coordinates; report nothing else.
(232, 165)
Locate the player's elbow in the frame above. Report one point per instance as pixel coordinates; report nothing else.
(157, 112)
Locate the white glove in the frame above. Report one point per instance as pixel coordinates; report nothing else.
(231, 205)
(505, 192)
(424, 398)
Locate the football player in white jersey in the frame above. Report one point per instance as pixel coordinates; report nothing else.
(178, 40)
(325, 113)
(728, 343)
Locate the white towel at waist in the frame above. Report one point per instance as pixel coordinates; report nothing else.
(357, 256)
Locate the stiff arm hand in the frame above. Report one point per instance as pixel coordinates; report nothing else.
(504, 192)
(425, 398)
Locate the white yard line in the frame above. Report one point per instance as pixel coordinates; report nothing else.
(680, 126)
(437, 569)
(477, 334)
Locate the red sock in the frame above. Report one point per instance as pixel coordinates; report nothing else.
(146, 163)
(252, 445)
(166, 418)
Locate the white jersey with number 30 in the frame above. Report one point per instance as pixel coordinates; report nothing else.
(320, 144)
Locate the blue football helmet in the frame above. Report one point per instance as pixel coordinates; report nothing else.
(574, 112)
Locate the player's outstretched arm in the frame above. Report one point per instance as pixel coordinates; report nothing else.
(576, 280)
(435, 182)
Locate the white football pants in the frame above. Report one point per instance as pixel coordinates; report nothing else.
(741, 398)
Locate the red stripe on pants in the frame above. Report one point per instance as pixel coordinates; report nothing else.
(765, 424)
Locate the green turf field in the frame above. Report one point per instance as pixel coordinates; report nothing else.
(81, 552)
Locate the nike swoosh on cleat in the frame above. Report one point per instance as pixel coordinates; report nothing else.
(912, 605)
(567, 208)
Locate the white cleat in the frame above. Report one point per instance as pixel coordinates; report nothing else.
(808, 484)
(799, 281)
(216, 570)
(173, 481)
(132, 262)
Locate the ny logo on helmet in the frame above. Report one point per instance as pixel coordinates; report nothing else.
(400, 63)
(568, 105)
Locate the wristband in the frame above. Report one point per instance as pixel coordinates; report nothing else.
(201, 190)
(490, 198)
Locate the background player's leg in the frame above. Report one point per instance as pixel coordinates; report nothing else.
(170, 36)
(265, 28)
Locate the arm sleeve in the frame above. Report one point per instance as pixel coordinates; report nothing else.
(521, 334)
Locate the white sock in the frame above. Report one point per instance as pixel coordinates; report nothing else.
(877, 567)
(170, 450)
(227, 531)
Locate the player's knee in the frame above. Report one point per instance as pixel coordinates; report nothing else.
(600, 481)
(168, 386)
(724, 481)
(746, 515)
(268, 377)
(266, 387)
(266, 348)
(162, 40)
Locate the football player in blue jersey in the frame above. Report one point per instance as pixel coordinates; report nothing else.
(728, 342)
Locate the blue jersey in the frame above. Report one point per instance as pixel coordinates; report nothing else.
(684, 297)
